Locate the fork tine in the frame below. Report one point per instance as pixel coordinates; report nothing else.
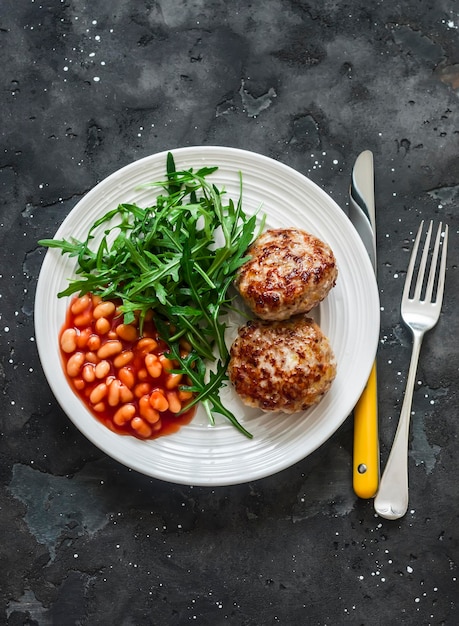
(441, 276)
(422, 266)
(433, 266)
(409, 271)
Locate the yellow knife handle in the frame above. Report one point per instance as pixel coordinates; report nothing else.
(366, 440)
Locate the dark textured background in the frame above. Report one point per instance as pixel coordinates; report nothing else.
(88, 87)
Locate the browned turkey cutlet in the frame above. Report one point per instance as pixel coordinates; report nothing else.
(289, 272)
(283, 366)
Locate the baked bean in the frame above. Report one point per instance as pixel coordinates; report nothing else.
(153, 365)
(98, 393)
(141, 427)
(114, 392)
(89, 373)
(127, 377)
(68, 340)
(185, 346)
(123, 359)
(102, 369)
(112, 334)
(141, 389)
(75, 364)
(110, 348)
(83, 319)
(175, 406)
(124, 414)
(147, 411)
(102, 325)
(92, 357)
(96, 300)
(126, 394)
(127, 332)
(93, 342)
(142, 374)
(166, 363)
(100, 407)
(82, 337)
(184, 395)
(80, 304)
(79, 383)
(149, 315)
(104, 309)
(159, 401)
(146, 345)
(173, 380)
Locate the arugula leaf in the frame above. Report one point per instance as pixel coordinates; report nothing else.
(165, 257)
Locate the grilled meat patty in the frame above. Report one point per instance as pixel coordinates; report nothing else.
(281, 366)
(289, 272)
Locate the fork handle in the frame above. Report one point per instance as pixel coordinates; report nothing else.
(391, 500)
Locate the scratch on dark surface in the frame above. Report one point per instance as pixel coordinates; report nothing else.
(54, 508)
(254, 106)
(29, 606)
(305, 133)
(417, 44)
(225, 107)
(446, 195)
(422, 451)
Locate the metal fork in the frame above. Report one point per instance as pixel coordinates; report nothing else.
(420, 313)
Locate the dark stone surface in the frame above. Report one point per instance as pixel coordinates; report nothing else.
(88, 87)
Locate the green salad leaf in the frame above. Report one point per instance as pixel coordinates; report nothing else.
(178, 257)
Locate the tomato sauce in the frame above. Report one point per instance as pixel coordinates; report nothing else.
(85, 345)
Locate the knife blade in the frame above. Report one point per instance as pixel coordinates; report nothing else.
(365, 468)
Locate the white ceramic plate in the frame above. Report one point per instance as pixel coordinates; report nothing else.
(200, 454)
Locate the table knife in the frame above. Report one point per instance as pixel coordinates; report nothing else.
(365, 468)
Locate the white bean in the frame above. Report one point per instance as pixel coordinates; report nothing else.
(89, 373)
(75, 364)
(104, 309)
(124, 414)
(123, 359)
(68, 340)
(102, 369)
(110, 348)
(98, 393)
(80, 304)
(114, 392)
